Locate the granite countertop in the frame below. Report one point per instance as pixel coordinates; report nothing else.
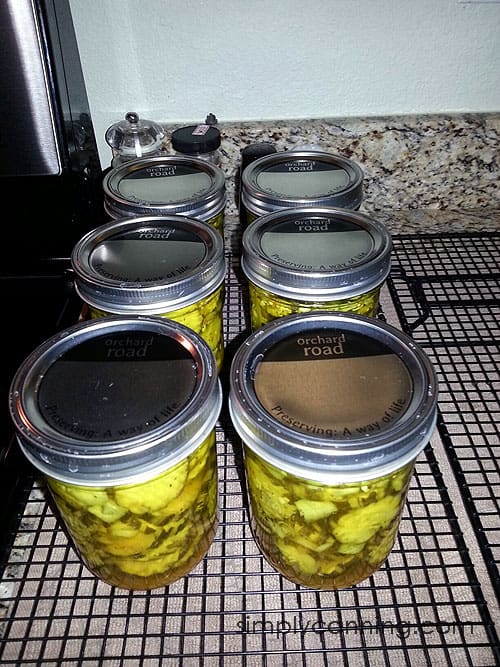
(426, 174)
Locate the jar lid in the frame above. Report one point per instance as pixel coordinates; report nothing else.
(316, 253)
(150, 264)
(163, 185)
(194, 139)
(115, 400)
(134, 136)
(301, 178)
(333, 397)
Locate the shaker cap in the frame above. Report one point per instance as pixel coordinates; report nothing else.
(195, 139)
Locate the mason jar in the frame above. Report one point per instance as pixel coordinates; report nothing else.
(167, 185)
(298, 178)
(119, 416)
(170, 266)
(333, 409)
(303, 259)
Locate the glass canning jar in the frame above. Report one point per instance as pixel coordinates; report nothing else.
(333, 409)
(171, 266)
(298, 178)
(119, 415)
(303, 259)
(167, 185)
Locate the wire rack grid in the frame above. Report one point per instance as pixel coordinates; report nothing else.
(433, 603)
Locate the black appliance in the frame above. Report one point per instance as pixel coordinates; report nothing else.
(50, 185)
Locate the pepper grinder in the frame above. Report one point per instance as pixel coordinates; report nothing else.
(133, 138)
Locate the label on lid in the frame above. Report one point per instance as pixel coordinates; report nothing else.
(117, 386)
(164, 183)
(316, 243)
(200, 130)
(149, 254)
(333, 384)
(302, 178)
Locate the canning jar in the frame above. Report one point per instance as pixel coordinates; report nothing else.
(119, 415)
(291, 179)
(167, 185)
(171, 266)
(303, 259)
(332, 409)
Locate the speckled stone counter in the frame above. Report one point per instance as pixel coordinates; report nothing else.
(422, 173)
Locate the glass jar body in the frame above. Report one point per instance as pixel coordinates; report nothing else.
(217, 221)
(319, 535)
(212, 156)
(145, 535)
(266, 306)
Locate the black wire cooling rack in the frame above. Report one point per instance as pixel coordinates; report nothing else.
(434, 602)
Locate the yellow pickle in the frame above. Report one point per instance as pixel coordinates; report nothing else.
(317, 533)
(333, 410)
(171, 266)
(123, 430)
(265, 306)
(305, 259)
(149, 534)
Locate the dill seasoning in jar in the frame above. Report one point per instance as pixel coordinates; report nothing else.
(293, 179)
(170, 266)
(333, 409)
(303, 259)
(119, 416)
(167, 185)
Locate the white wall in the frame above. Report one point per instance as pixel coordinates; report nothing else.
(173, 61)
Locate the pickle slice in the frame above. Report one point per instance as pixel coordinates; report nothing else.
(265, 306)
(139, 536)
(324, 536)
(204, 317)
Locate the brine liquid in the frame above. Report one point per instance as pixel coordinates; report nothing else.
(147, 535)
(265, 306)
(323, 536)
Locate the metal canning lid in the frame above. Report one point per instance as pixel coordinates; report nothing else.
(115, 400)
(301, 178)
(165, 185)
(333, 397)
(316, 253)
(150, 264)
